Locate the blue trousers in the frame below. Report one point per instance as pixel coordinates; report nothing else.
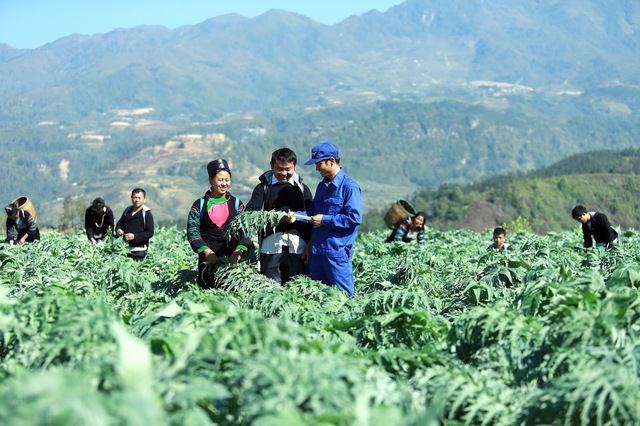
(332, 268)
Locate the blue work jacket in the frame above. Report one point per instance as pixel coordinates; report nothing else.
(340, 203)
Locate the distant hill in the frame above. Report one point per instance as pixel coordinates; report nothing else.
(431, 92)
(279, 60)
(608, 181)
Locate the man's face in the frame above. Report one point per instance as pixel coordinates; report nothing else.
(583, 218)
(498, 240)
(283, 171)
(324, 167)
(137, 199)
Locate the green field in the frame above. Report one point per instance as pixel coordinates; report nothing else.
(445, 333)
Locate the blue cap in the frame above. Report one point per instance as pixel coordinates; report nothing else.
(322, 151)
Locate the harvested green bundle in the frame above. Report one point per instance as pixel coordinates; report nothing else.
(247, 223)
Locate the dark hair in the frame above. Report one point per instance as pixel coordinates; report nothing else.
(136, 190)
(284, 155)
(218, 171)
(499, 231)
(423, 214)
(578, 211)
(11, 209)
(98, 203)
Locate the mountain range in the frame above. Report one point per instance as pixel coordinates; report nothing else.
(551, 78)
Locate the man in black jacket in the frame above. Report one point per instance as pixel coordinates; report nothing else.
(597, 225)
(136, 225)
(281, 189)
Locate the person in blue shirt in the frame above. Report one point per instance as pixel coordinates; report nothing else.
(335, 214)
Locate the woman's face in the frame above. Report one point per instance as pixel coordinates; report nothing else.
(418, 221)
(220, 183)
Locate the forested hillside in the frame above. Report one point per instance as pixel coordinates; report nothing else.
(391, 148)
(608, 181)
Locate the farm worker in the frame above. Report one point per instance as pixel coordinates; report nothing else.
(208, 221)
(282, 249)
(335, 214)
(499, 240)
(409, 229)
(136, 225)
(98, 218)
(596, 225)
(21, 222)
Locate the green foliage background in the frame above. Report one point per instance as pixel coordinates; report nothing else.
(447, 332)
(607, 181)
(393, 149)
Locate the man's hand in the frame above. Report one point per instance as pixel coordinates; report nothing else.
(129, 237)
(316, 220)
(119, 232)
(305, 253)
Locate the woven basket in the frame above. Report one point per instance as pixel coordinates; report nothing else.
(24, 203)
(401, 209)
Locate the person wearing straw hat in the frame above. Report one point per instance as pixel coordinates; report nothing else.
(98, 218)
(208, 221)
(282, 189)
(20, 222)
(335, 214)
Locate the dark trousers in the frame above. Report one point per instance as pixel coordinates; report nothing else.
(282, 267)
(137, 255)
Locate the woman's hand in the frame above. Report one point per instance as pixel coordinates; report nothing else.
(211, 257)
(235, 256)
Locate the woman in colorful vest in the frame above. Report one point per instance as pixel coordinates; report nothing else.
(208, 221)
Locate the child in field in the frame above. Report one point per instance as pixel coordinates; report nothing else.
(499, 240)
(596, 225)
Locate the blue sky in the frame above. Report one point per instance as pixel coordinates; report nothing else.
(28, 24)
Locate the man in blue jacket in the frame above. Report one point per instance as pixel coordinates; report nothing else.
(335, 214)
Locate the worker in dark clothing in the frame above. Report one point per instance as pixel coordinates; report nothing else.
(98, 218)
(136, 225)
(282, 254)
(595, 224)
(20, 222)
